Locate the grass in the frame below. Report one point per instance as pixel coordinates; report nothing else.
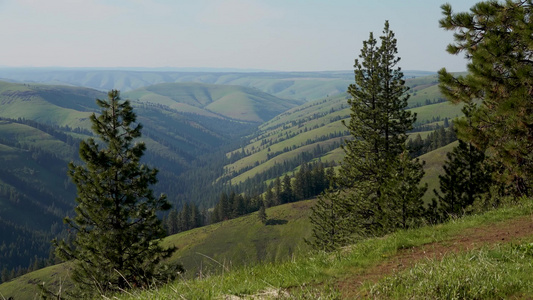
(434, 161)
(54, 277)
(321, 274)
(230, 245)
(244, 241)
(489, 273)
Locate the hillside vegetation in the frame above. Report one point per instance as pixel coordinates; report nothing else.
(306, 86)
(222, 101)
(43, 125)
(209, 250)
(491, 248)
(40, 130)
(225, 246)
(412, 264)
(315, 131)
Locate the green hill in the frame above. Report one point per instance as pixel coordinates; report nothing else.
(209, 250)
(306, 86)
(224, 101)
(231, 244)
(42, 126)
(408, 261)
(40, 130)
(476, 257)
(314, 131)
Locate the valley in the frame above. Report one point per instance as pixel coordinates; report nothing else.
(204, 138)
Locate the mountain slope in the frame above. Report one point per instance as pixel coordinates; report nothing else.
(315, 131)
(40, 130)
(209, 250)
(225, 101)
(499, 240)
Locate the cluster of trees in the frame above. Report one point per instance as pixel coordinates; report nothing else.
(189, 217)
(233, 205)
(23, 250)
(440, 137)
(378, 187)
(309, 181)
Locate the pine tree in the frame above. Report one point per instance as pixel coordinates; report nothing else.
(261, 214)
(117, 230)
(374, 176)
(407, 209)
(496, 38)
(327, 218)
(466, 178)
(287, 194)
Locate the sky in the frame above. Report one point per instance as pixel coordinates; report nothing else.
(278, 35)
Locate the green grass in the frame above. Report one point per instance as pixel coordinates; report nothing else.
(488, 273)
(54, 278)
(245, 240)
(443, 110)
(210, 250)
(316, 274)
(309, 275)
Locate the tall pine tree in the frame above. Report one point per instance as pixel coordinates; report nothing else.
(496, 38)
(117, 232)
(374, 174)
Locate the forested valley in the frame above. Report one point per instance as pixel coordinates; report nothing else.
(113, 183)
(193, 168)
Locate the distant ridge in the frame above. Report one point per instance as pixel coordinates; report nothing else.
(307, 86)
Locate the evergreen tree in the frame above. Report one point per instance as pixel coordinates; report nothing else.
(496, 38)
(117, 230)
(261, 214)
(277, 192)
(466, 178)
(172, 222)
(269, 198)
(407, 209)
(375, 176)
(328, 220)
(287, 193)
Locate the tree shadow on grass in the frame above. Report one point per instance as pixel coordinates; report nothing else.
(276, 222)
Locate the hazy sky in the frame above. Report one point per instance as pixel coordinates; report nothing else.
(285, 35)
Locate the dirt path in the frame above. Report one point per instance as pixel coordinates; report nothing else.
(469, 239)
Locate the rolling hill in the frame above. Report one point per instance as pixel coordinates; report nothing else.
(306, 86)
(242, 256)
(314, 131)
(41, 127)
(40, 130)
(211, 249)
(217, 101)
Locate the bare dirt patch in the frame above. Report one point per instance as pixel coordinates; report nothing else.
(503, 232)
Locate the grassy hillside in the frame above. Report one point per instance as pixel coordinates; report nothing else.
(493, 250)
(209, 250)
(316, 127)
(239, 242)
(224, 101)
(434, 161)
(40, 130)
